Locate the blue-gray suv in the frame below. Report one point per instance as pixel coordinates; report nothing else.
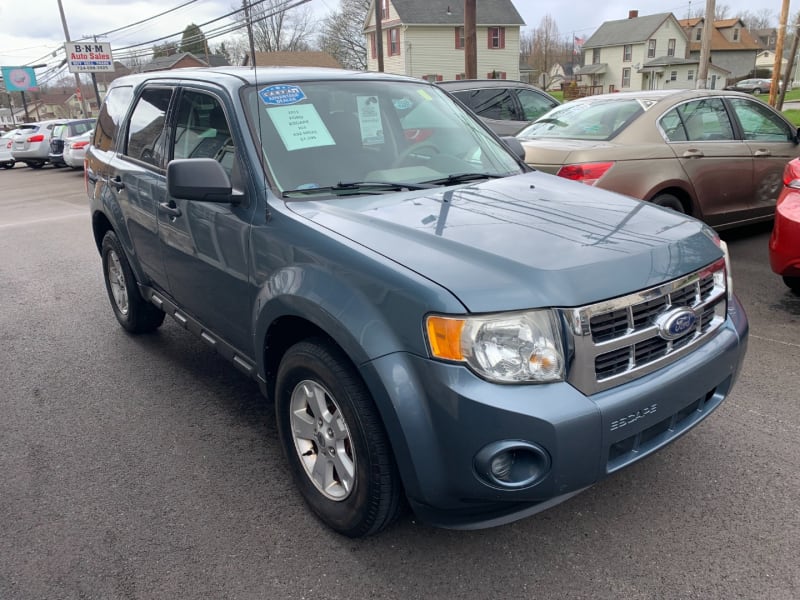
(436, 323)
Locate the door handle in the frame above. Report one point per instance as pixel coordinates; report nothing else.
(116, 183)
(693, 153)
(170, 208)
(762, 153)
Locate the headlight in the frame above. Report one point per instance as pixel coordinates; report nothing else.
(521, 347)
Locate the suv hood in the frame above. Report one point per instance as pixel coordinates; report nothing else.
(526, 241)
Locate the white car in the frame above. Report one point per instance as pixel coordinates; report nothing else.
(6, 143)
(75, 149)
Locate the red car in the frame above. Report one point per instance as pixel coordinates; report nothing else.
(784, 243)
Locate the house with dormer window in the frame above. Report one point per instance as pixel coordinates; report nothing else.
(733, 47)
(642, 53)
(425, 39)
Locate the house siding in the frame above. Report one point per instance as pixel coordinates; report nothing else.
(430, 50)
(740, 63)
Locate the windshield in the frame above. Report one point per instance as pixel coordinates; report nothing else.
(584, 120)
(321, 134)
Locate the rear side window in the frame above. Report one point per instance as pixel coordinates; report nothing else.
(146, 129)
(491, 103)
(534, 105)
(111, 115)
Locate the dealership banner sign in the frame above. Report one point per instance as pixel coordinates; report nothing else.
(19, 79)
(89, 57)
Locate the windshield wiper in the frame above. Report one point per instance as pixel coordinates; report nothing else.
(359, 187)
(464, 177)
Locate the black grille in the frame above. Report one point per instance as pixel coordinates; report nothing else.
(612, 363)
(645, 314)
(685, 296)
(609, 325)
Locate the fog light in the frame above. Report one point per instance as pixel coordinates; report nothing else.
(501, 465)
(512, 464)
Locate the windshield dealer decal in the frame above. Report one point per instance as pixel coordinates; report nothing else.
(280, 95)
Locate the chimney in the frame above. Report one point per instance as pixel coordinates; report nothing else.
(632, 14)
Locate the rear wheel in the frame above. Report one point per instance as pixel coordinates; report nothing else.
(334, 440)
(793, 283)
(133, 312)
(669, 201)
(35, 165)
(757, 91)
(8, 165)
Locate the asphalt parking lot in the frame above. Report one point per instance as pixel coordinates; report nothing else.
(146, 467)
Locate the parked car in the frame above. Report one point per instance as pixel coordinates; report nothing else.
(6, 143)
(75, 149)
(784, 243)
(32, 143)
(62, 131)
(505, 106)
(752, 86)
(431, 318)
(718, 156)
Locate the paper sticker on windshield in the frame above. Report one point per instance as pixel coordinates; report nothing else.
(369, 118)
(300, 127)
(278, 95)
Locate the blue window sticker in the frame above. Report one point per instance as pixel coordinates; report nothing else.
(279, 95)
(402, 103)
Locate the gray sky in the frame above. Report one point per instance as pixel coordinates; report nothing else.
(30, 30)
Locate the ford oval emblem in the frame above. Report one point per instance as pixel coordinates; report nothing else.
(676, 323)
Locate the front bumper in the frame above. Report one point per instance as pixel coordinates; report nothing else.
(784, 243)
(440, 416)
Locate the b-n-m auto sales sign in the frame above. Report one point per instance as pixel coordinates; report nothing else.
(88, 57)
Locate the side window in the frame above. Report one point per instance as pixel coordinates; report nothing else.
(759, 123)
(533, 105)
(202, 130)
(492, 103)
(146, 129)
(704, 120)
(114, 106)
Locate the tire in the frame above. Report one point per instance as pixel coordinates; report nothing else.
(8, 165)
(133, 312)
(756, 91)
(669, 201)
(793, 283)
(334, 440)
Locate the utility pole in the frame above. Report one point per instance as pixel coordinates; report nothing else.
(246, 6)
(776, 66)
(470, 41)
(379, 33)
(705, 45)
(787, 76)
(77, 76)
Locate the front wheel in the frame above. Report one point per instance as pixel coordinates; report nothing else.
(793, 283)
(756, 91)
(133, 312)
(35, 165)
(8, 165)
(334, 440)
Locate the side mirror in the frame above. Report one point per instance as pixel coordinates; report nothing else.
(515, 146)
(201, 179)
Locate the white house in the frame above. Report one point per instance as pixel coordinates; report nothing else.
(640, 53)
(425, 38)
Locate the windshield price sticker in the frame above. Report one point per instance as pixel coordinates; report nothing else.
(369, 118)
(279, 95)
(300, 127)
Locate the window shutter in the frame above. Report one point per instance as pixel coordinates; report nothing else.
(502, 74)
(502, 38)
(373, 45)
(439, 78)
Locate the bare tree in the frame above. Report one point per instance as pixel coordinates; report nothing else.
(276, 28)
(341, 34)
(760, 19)
(545, 44)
